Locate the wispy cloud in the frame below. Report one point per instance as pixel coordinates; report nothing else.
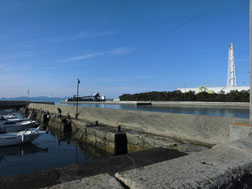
(116, 51)
(14, 57)
(2, 66)
(145, 77)
(110, 80)
(81, 35)
(125, 79)
(88, 34)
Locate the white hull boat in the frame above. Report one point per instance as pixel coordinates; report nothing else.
(19, 126)
(11, 117)
(14, 138)
(16, 125)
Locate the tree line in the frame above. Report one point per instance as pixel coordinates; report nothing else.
(177, 95)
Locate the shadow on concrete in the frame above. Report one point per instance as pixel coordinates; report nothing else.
(109, 165)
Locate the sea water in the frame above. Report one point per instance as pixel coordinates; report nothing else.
(48, 151)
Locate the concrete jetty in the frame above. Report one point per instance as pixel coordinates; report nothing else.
(227, 164)
(171, 103)
(18, 104)
(13, 104)
(204, 130)
(77, 172)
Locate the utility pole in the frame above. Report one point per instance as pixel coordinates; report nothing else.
(76, 114)
(250, 58)
(28, 93)
(27, 103)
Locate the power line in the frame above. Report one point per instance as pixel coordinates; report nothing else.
(164, 35)
(189, 20)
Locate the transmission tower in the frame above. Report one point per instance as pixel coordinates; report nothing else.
(231, 77)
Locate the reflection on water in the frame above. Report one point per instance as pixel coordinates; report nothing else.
(20, 150)
(221, 112)
(48, 151)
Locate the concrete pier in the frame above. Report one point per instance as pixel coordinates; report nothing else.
(13, 104)
(77, 172)
(172, 103)
(228, 164)
(108, 138)
(203, 130)
(224, 166)
(18, 104)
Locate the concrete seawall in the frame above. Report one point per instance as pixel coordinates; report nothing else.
(108, 138)
(226, 165)
(18, 104)
(109, 165)
(198, 129)
(13, 104)
(172, 103)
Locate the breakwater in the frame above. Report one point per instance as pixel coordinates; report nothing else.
(226, 165)
(13, 104)
(106, 166)
(18, 104)
(171, 103)
(109, 138)
(188, 128)
(238, 110)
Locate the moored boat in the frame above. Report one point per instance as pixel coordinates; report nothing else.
(15, 138)
(16, 125)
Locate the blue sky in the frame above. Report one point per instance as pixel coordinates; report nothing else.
(119, 46)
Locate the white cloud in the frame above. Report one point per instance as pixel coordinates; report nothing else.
(87, 34)
(81, 35)
(145, 77)
(116, 51)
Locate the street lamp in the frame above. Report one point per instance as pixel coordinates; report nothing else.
(76, 114)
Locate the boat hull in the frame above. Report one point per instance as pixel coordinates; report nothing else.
(19, 126)
(15, 138)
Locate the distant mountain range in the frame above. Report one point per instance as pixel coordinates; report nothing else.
(38, 99)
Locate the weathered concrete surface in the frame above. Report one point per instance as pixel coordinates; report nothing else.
(18, 104)
(194, 128)
(104, 137)
(202, 104)
(139, 141)
(224, 166)
(94, 182)
(239, 131)
(174, 103)
(13, 104)
(109, 165)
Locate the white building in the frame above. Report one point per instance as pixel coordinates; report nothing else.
(214, 89)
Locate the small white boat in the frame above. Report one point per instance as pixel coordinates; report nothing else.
(11, 117)
(14, 138)
(16, 125)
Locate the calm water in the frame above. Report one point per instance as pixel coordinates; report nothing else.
(222, 112)
(48, 151)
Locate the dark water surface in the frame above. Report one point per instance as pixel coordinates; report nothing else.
(221, 112)
(48, 151)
